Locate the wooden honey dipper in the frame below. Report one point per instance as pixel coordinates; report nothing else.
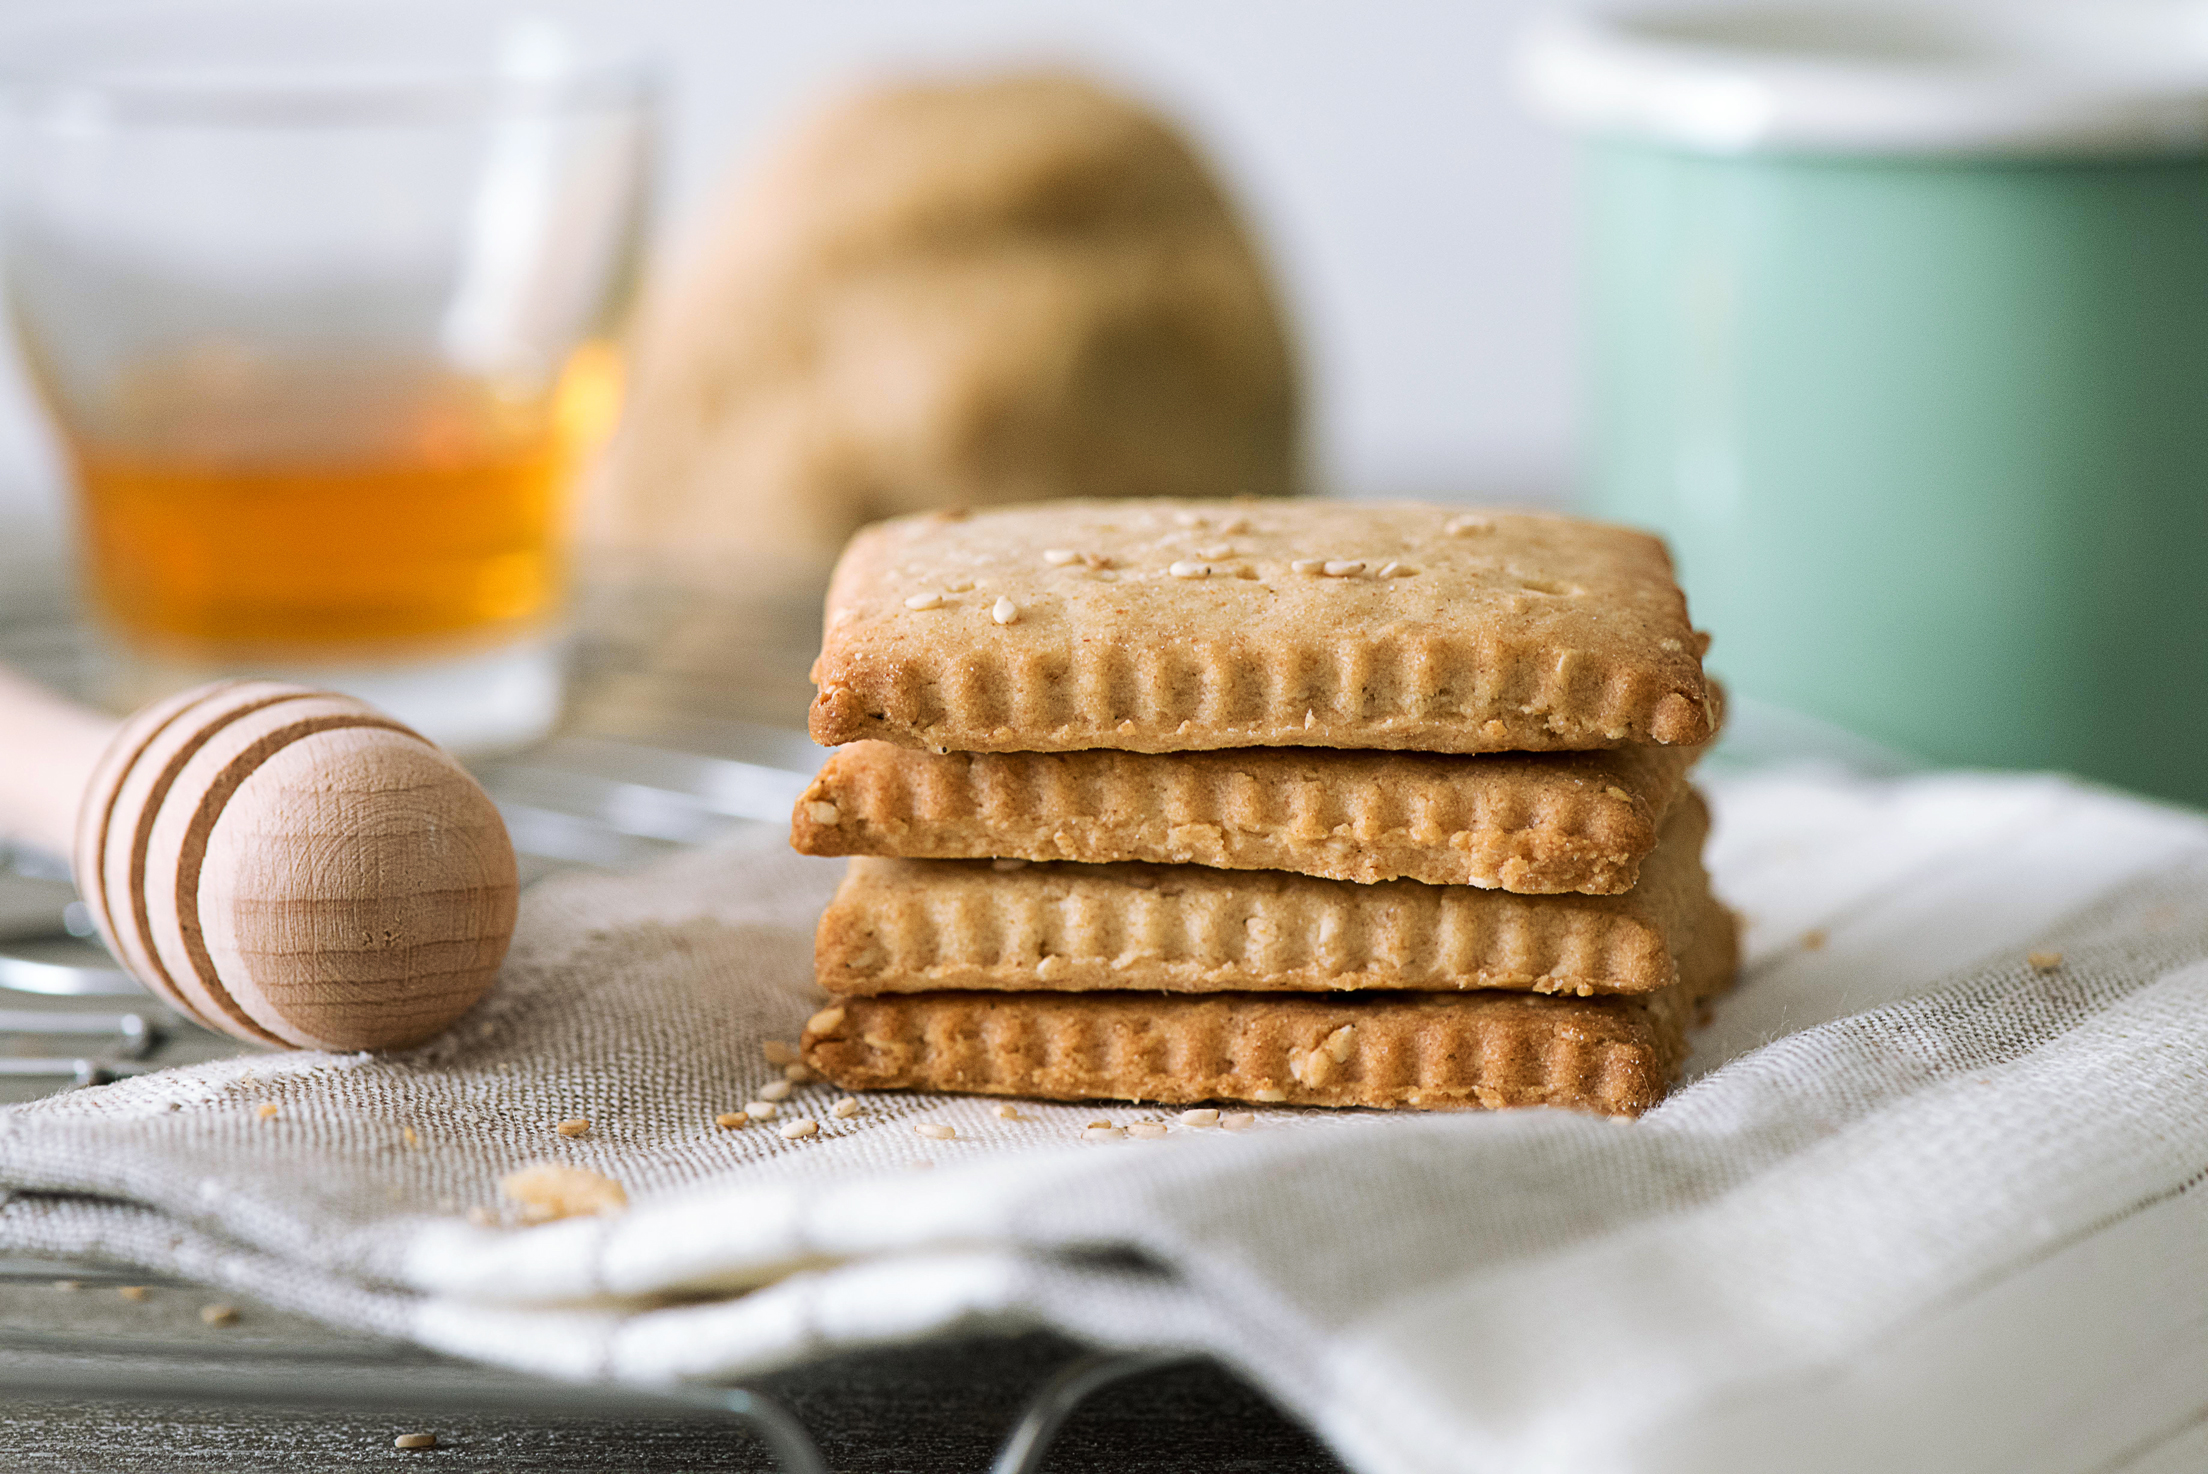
(286, 865)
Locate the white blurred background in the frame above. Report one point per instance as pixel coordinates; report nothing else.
(1418, 221)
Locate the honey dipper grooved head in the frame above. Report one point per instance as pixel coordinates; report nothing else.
(291, 867)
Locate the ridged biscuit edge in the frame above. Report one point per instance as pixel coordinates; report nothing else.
(1532, 824)
(900, 926)
(1388, 1051)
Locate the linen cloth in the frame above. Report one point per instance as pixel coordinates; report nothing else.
(1920, 1203)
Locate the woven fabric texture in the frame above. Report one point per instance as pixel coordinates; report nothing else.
(1929, 1198)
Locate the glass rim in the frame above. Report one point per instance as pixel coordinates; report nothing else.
(88, 76)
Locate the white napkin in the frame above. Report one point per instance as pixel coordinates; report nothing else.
(1922, 1204)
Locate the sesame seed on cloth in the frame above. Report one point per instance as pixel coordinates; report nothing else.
(1886, 1154)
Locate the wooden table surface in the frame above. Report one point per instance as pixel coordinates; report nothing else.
(92, 1381)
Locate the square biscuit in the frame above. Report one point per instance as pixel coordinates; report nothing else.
(909, 926)
(1616, 1055)
(1534, 823)
(1164, 626)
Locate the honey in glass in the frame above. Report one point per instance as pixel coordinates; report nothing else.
(241, 502)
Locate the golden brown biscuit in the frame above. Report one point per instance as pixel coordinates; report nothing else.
(1534, 823)
(1388, 1050)
(1161, 626)
(908, 926)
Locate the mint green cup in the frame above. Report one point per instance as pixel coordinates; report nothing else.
(1898, 330)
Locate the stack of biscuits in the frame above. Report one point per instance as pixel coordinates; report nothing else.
(1304, 802)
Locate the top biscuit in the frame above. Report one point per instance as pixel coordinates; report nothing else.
(1180, 626)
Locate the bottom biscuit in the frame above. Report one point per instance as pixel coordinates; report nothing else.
(1616, 1055)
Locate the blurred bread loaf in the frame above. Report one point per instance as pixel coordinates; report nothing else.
(948, 294)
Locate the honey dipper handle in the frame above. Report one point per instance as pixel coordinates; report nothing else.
(48, 749)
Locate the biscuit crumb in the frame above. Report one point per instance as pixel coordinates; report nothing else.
(934, 1130)
(1201, 1116)
(1343, 567)
(929, 600)
(760, 1110)
(1004, 611)
(266, 1110)
(1147, 1130)
(406, 1134)
(1238, 1120)
(820, 811)
(572, 1127)
(131, 1292)
(776, 1090)
(1815, 938)
(845, 1109)
(1008, 1113)
(1186, 569)
(415, 1440)
(778, 1051)
(548, 1190)
(219, 1315)
(730, 1120)
(2044, 961)
(799, 1129)
(1060, 557)
(798, 1074)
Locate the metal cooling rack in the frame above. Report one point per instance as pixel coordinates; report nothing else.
(660, 753)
